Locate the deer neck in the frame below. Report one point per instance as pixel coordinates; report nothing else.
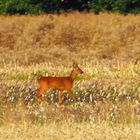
(73, 75)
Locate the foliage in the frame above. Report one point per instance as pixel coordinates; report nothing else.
(126, 6)
(53, 6)
(19, 6)
(122, 6)
(75, 4)
(100, 5)
(50, 6)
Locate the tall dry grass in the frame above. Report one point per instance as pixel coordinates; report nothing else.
(58, 38)
(108, 93)
(70, 131)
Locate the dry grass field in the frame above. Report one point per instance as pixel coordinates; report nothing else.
(108, 93)
(58, 38)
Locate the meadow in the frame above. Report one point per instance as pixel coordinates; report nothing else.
(107, 48)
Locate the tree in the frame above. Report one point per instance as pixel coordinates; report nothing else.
(19, 6)
(127, 6)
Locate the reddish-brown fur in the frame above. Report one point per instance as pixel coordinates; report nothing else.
(59, 83)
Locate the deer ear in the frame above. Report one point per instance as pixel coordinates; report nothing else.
(75, 64)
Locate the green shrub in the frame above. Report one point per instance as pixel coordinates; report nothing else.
(100, 5)
(127, 6)
(75, 4)
(18, 6)
(53, 6)
(121, 6)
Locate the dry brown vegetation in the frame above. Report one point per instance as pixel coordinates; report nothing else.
(58, 38)
(108, 93)
(70, 131)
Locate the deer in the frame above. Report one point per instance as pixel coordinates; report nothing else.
(59, 83)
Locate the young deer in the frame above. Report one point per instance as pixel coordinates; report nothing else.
(59, 83)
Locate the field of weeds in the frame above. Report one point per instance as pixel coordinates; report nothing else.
(25, 40)
(107, 48)
(107, 105)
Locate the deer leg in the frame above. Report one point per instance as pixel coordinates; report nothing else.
(40, 92)
(71, 95)
(59, 97)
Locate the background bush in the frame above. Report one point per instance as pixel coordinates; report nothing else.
(53, 6)
(19, 6)
(127, 6)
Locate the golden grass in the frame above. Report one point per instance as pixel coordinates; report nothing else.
(93, 69)
(108, 93)
(70, 131)
(58, 38)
